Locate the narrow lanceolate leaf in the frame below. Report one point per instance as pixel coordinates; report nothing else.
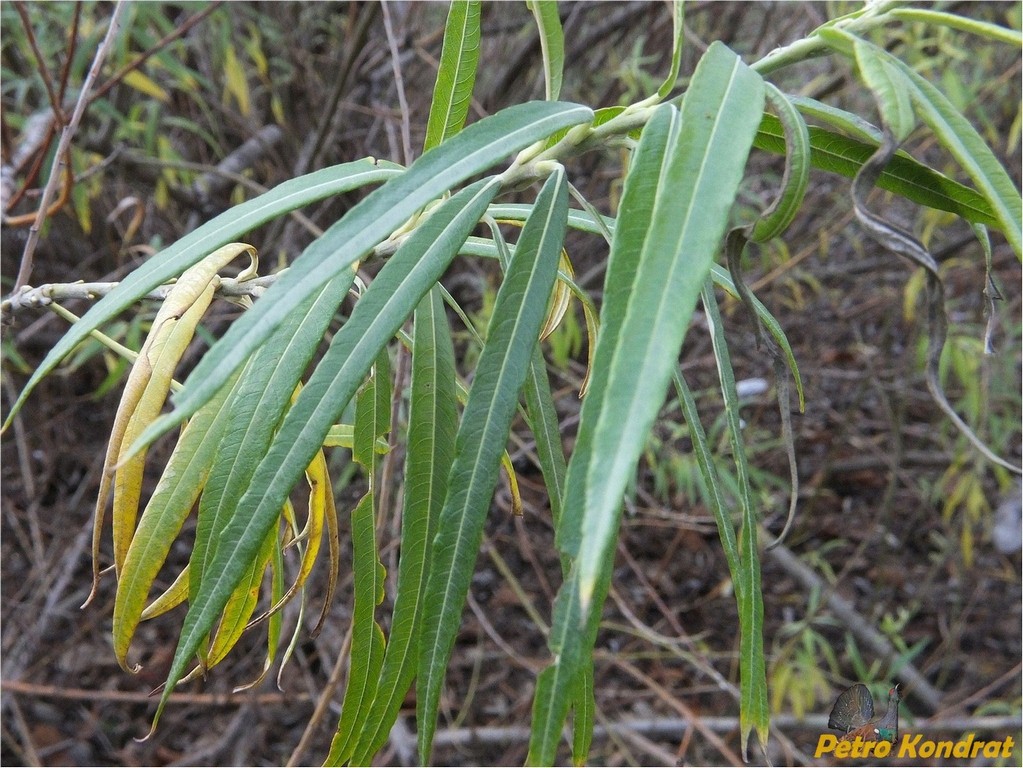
(704, 161)
(146, 390)
(472, 151)
(404, 280)
(890, 89)
(754, 711)
(954, 21)
(182, 480)
(776, 219)
(264, 393)
(683, 180)
(457, 74)
(518, 313)
(956, 134)
(966, 145)
(372, 412)
(904, 176)
(226, 227)
(367, 638)
(552, 45)
(678, 38)
(433, 421)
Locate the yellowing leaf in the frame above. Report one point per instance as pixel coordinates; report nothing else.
(146, 85)
(235, 83)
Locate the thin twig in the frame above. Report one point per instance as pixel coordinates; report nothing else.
(140, 697)
(675, 727)
(178, 31)
(44, 73)
(61, 157)
(322, 702)
(399, 84)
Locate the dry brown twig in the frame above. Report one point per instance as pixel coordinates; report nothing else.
(61, 157)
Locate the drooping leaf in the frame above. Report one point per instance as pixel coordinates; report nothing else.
(514, 328)
(265, 391)
(399, 286)
(226, 227)
(754, 711)
(180, 485)
(433, 422)
(904, 176)
(470, 152)
(683, 179)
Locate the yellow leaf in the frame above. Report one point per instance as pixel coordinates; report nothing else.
(146, 85)
(145, 392)
(235, 83)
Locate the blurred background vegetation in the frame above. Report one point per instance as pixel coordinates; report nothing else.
(906, 551)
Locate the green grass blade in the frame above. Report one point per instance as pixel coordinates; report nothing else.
(470, 152)
(552, 45)
(433, 421)
(683, 179)
(264, 394)
(904, 176)
(518, 314)
(754, 711)
(395, 292)
(456, 77)
(225, 228)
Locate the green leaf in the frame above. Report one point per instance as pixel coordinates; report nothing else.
(754, 711)
(584, 222)
(681, 232)
(714, 497)
(585, 710)
(264, 393)
(776, 219)
(374, 420)
(890, 89)
(683, 180)
(457, 74)
(225, 228)
(904, 176)
(401, 283)
(973, 26)
(376, 217)
(518, 314)
(433, 421)
(678, 38)
(367, 638)
(552, 44)
(372, 412)
(966, 145)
